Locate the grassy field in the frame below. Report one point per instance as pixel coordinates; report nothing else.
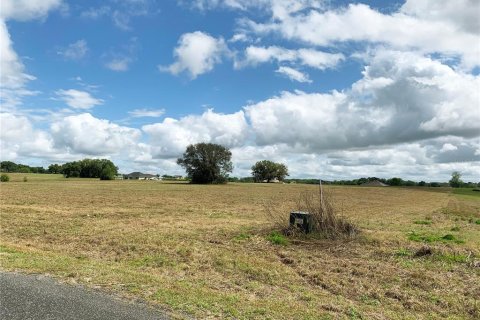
(208, 251)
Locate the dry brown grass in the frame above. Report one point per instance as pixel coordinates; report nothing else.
(326, 221)
(202, 250)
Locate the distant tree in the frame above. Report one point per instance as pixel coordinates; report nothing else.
(455, 181)
(410, 183)
(90, 168)
(8, 166)
(54, 168)
(422, 183)
(269, 170)
(37, 170)
(361, 181)
(207, 163)
(108, 170)
(396, 182)
(71, 169)
(23, 169)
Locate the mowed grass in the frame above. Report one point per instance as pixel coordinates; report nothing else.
(209, 252)
(467, 192)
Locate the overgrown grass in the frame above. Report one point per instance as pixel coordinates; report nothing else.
(323, 215)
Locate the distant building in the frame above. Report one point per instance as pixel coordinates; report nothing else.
(141, 176)
(274, 180)
(169, 177)
(374, 183)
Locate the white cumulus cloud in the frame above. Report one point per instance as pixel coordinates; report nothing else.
(308, 57)
(196, 53)
(170, 137)
(78, 99)
(85, 134)
(24, 10)
(18, 138)
(13, 76)
(406, 29)
(141, 113)
(293, 74)
(402, 97)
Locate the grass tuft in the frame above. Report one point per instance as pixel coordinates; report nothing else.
(242, 236)
(448, 237)
(277, 238)
(425, 222)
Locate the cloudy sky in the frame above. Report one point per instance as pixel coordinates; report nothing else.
(332, 89)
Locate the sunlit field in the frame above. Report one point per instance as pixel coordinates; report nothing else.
(205, 251)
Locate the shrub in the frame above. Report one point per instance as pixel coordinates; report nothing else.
(25, 179)
(325, 220)
(4, 178)
(448, 237)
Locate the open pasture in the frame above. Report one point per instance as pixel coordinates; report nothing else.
(204, 250)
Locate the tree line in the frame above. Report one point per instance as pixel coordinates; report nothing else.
(103, 169)
(211, 163)
(9, 166)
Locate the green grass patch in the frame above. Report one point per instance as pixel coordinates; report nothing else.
(424, 222)
(277, 238)
(429, 238)
(242, 236)
(403, 253)
(469, 192)
(451, 257)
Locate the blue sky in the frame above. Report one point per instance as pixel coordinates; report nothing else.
(331, 88)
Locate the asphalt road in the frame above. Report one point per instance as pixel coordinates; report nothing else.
(37, 297)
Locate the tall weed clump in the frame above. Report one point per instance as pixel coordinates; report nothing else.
(325, 219)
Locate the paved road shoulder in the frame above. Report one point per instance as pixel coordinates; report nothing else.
(40, 297)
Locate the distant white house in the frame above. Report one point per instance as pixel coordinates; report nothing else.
(274, 180)
(141, 176)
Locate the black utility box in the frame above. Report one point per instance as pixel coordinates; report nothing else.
(301, 220)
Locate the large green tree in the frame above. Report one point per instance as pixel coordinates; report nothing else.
(90, 168)
(455, 181)
(267, 170)
(207, 163)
